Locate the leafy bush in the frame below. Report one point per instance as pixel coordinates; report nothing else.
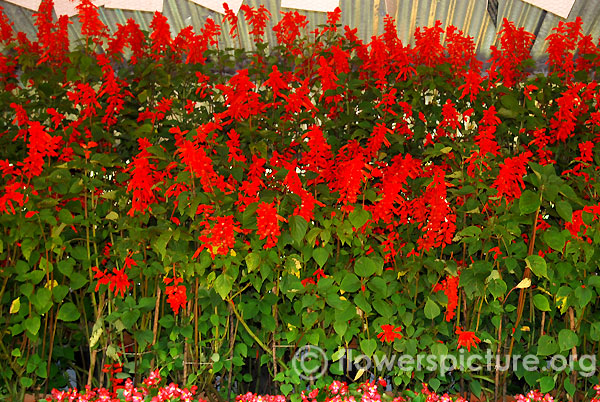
(168, 203)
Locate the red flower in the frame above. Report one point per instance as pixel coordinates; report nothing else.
(232, 19)
(117, 281)
(257, 19)
(176, 294)
(144, 179)
(307, 281)
(467, 339)
(267, 221)
(220, 238)
(510, 179)
(450, 288)
(12, 194)
(288, 29)
(160, 35)
(389, 333)
(89, 17)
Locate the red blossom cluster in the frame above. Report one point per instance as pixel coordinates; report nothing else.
(176, 293)
(450, 288)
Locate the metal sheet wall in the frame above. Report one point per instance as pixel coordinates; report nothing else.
(470, 16)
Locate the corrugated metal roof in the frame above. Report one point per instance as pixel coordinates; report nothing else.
(367, 15)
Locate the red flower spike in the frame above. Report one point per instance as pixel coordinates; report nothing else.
(466, 339)
(267, 221)
(176, 294)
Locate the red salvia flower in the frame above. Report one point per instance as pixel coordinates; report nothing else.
(352, 170)
(7, 34)
(515, 47)
(308, 202)
(211, 32)
(267, 221)
(428, 48)
(333, 17)
(233, 144)
(288, 30)
(389, 333)
(257, 19)
(176, 293)
(218, 236)
(276, 82)
(21, 118)
(13, 193)
(85, 96)
(117, 281)
(160, 36)
(450, 288)
(466, 339)
(436, 218)
(144, 179)
(89, 17)
(562, 43)
(41, 145)
(232, 19)
(509, 182)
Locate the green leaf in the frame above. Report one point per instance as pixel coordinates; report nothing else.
(362, 303)
(32, 324)
(537, 265)
(167, 321)
(130, 317)
(554, 239)
(541, 302)
(529, 202)
(584, 296)
(15, 306)
(298, 227)
(160, 244)
(365, 267)
(565, 210)
(320, 255)
(112, 216)
(570, 388)
(497, 288)
(42, 300)
(368, 346)
(65, 216)
(66, 266)
(475, 386)
(432, 310)
(68, 312)
(252, 261)
(383, 308)
(143, 338)
(27, 246)
(340, 327)
(77, 280)
(358, 217)
(547, 346)
(286, 389)
(350, 283)
(510, 102)
(546, 384)
(378, 285)
(223, 285)
(567, 339)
